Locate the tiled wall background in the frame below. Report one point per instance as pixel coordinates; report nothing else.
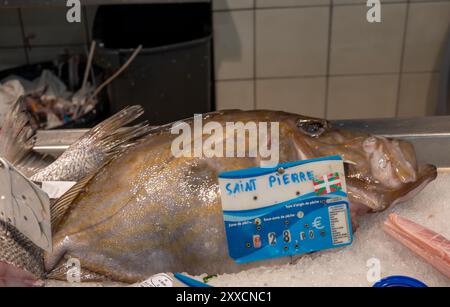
(315, 57)
(33, 35)
(322, 58)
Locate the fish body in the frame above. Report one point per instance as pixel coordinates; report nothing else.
(147, 212)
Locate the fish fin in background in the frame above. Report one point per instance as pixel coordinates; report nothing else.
(107, 139)
(17, 136)
(17, 139)
(431, 246)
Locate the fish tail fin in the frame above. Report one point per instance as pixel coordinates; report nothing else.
(108, 136)
(98, 145)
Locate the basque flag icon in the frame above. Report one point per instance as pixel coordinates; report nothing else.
(327, 183)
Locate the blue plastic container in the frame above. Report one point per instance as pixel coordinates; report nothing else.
(190, 282)
(399, 282)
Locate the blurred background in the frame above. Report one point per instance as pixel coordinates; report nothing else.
(314, 57)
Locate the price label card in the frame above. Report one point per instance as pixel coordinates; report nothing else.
(168, 280)
(294, 208)
(158, 280)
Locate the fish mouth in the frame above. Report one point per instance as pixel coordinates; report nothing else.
(376, 197)
(21, 261)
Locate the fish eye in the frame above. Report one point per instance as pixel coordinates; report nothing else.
(311, 127)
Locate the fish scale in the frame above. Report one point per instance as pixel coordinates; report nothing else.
(18, 250)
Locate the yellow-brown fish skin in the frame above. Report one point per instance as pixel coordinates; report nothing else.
(147, 212)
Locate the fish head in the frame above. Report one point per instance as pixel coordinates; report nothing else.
(380, 171)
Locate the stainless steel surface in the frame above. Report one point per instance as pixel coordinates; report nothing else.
(37, 3)
(430, 136)
(398, 127)
(55, 142)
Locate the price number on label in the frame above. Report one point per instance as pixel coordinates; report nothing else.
(272, 238)
(287, 236)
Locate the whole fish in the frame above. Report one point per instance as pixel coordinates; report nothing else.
(21, 262)
(146, 212)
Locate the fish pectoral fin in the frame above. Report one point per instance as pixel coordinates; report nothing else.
(110, 138)
(59, 208)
